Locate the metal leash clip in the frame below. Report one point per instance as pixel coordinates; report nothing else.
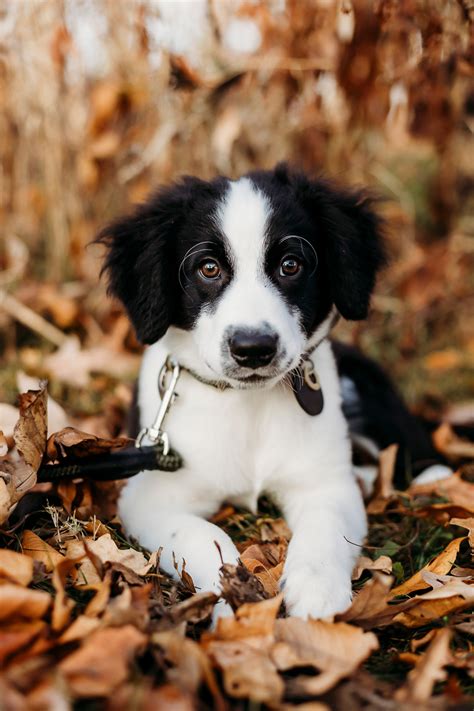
(155, 434)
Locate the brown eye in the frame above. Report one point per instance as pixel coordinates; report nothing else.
(209, 269)
(290, 266)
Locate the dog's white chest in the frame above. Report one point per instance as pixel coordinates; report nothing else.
(239, 444)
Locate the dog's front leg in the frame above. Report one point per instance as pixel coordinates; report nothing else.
(328, 525)
(182, 535)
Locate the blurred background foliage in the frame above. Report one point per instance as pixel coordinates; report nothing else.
(101, 100)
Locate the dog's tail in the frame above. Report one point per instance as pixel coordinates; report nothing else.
(378, 417)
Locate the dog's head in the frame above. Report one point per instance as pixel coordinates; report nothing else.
(252, 269)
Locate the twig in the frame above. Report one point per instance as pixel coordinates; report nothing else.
(30, 319)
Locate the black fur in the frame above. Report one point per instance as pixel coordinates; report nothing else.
(379, 413)
(344, 229)
(146, 250)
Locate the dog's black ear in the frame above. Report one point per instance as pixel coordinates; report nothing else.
(140, 259)
(352, 234)
(355, 251)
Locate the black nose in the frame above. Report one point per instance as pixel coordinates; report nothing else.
(253, 349)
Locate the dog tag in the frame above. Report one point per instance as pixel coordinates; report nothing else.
(308, 390)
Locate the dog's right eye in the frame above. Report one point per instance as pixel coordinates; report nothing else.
(209, 269)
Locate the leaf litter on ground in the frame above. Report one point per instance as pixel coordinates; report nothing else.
(86, 614)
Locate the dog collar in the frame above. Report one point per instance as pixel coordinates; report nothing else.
(304, 383)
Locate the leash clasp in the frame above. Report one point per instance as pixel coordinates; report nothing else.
(155, 434)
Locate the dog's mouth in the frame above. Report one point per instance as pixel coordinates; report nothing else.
(244, 379)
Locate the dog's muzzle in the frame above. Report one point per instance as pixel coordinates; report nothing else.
(252, 348)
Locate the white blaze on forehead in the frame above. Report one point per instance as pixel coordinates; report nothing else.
(243, 216)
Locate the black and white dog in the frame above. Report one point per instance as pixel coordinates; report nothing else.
(241, 281)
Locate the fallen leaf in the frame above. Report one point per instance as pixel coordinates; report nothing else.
(5, 500)
(15, 637)
(253, 619)
(80, 628)
(445, 599)
(106, 551)
(383, 563)
(384, 482)
(30, 439)
(15, 567)
(370, 603)
(3, 444)
(187, 666)
(448, 443)
(102, 662)
(428, 671)
(35, 548)
(453, 488)
(56, 415)
(465, 523)
(62, 604)
(248, 671)
(18, 602)
(71, 442)
(442, 564)
(239, 586)
(336, 650)
(240, 647)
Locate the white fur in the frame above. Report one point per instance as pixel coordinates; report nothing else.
(240, 443)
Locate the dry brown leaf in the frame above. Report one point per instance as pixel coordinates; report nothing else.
(448, 443)
(17, 602)
(465, 523)
(5, 500)
(102, 662)
(37, 549)
(80, 628)
(453, 488)
(248, 671)
(383, 563)
(15, 567)
(3, 444)
(441, 513)
(384, 483)
(99, 602)
(370, 602)
(30, 439)
(334, 649)
(71, 442)
(429, 670)
(269, 575)
(445, 599)
(18, 635)
(195, 609)
(187, 666)
(240, 646)
(62, 605)
(442, 564)
(254, 619)
(106, 551)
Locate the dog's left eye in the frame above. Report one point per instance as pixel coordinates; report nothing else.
(209, 269)
(290, 266)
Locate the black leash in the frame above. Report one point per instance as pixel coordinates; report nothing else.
(121, 464)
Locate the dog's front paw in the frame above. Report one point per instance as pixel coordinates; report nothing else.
(310, 595)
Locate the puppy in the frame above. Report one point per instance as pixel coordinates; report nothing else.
(241, 281)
